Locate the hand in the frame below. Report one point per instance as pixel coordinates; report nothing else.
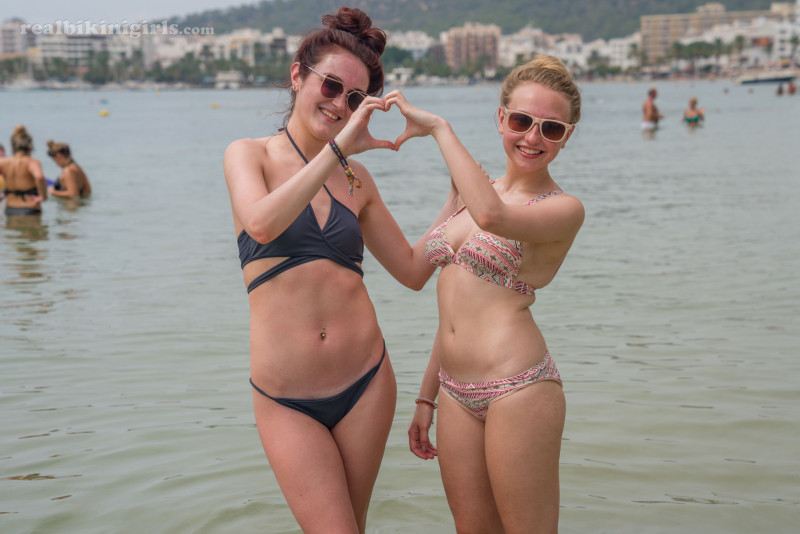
(33, 201)
(419, 123)
(355, 137)
(418, 440)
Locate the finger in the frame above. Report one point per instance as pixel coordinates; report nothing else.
(383, 143)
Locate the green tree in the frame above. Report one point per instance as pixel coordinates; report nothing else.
(98, 71)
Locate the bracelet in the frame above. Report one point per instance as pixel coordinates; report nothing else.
(423, 400)
(351, 176)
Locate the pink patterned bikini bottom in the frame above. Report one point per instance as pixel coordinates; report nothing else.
(476, 396)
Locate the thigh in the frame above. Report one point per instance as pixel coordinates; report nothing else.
(308, 467)
(523, 446)
(361, 438)
(462, 462)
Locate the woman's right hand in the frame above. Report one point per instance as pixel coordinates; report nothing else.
(355, 137)
(418, 433)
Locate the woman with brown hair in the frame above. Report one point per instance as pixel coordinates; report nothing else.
(324, 391)
(25, 187)
(72, 182)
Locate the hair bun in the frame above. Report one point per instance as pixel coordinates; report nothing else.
(355, 21)
(19, 129)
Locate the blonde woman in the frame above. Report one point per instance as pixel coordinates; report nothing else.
(25, 187)
(502, 409)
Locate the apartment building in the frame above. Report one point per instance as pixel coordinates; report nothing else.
(472, 44)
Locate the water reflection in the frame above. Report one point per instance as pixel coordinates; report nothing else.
(23, 233)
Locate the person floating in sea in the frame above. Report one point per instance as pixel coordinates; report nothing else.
(791, 88)
(25, 187)
(502, 408)
(693, 115)
(650, 113)
(324, 392)
(72, 182)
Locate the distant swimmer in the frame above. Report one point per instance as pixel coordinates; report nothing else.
(650, 114)
(791, 88)
(693, 116)
(25, 187)
(72, 182)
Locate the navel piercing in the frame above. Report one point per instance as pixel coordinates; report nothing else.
(323, 334)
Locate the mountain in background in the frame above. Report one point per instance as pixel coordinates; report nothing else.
(590, 18)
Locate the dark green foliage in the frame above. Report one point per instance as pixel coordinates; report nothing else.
(591, 18)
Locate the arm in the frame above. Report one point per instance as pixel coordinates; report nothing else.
(266, 214)
(384, 238)
(558, 220)
(70, 188)
(38, 175)
(418, 432)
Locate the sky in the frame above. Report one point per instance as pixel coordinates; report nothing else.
(97, 11)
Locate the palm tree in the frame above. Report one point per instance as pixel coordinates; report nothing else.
(739, 43)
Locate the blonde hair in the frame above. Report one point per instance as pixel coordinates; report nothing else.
(54, 148)
(550, 72)
(21, 140)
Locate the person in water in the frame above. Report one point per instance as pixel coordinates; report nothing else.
(501, 407)
(25, 187)
(693, 115)
(72, 182)
(324, 391)
(650, 113)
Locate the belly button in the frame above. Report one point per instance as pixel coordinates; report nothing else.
(322, 334)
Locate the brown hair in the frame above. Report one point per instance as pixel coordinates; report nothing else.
(351, 30)
(550, 72)
(54, 148)
(21, 140)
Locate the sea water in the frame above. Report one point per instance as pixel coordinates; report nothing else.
(124, 399)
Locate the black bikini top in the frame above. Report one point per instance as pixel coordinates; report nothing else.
(339, 239)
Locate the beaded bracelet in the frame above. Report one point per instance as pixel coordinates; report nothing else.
(351, 176)
(423, 400)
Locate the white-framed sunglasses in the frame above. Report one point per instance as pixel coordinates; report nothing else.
(551, 130)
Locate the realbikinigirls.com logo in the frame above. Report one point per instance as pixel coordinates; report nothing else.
(131, 29)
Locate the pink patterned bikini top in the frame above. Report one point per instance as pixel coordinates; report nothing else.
(487, 256)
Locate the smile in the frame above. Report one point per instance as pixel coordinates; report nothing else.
(529, 151)
(330, 115)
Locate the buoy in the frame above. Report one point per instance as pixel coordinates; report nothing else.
(104, 113)
(214, 105)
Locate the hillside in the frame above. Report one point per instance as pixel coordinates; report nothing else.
(590, 18)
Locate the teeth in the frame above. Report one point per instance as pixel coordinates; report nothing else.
(330, 115)
(530, 151)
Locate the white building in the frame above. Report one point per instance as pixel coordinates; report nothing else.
(416, 42)
(523, 44)
(570, 49)
(767, 42)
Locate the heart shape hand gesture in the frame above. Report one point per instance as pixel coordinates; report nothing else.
(355, 138)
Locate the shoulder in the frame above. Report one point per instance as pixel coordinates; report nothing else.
(246, 147)
(567, 207)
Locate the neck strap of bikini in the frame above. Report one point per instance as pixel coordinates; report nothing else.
(295, 146)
